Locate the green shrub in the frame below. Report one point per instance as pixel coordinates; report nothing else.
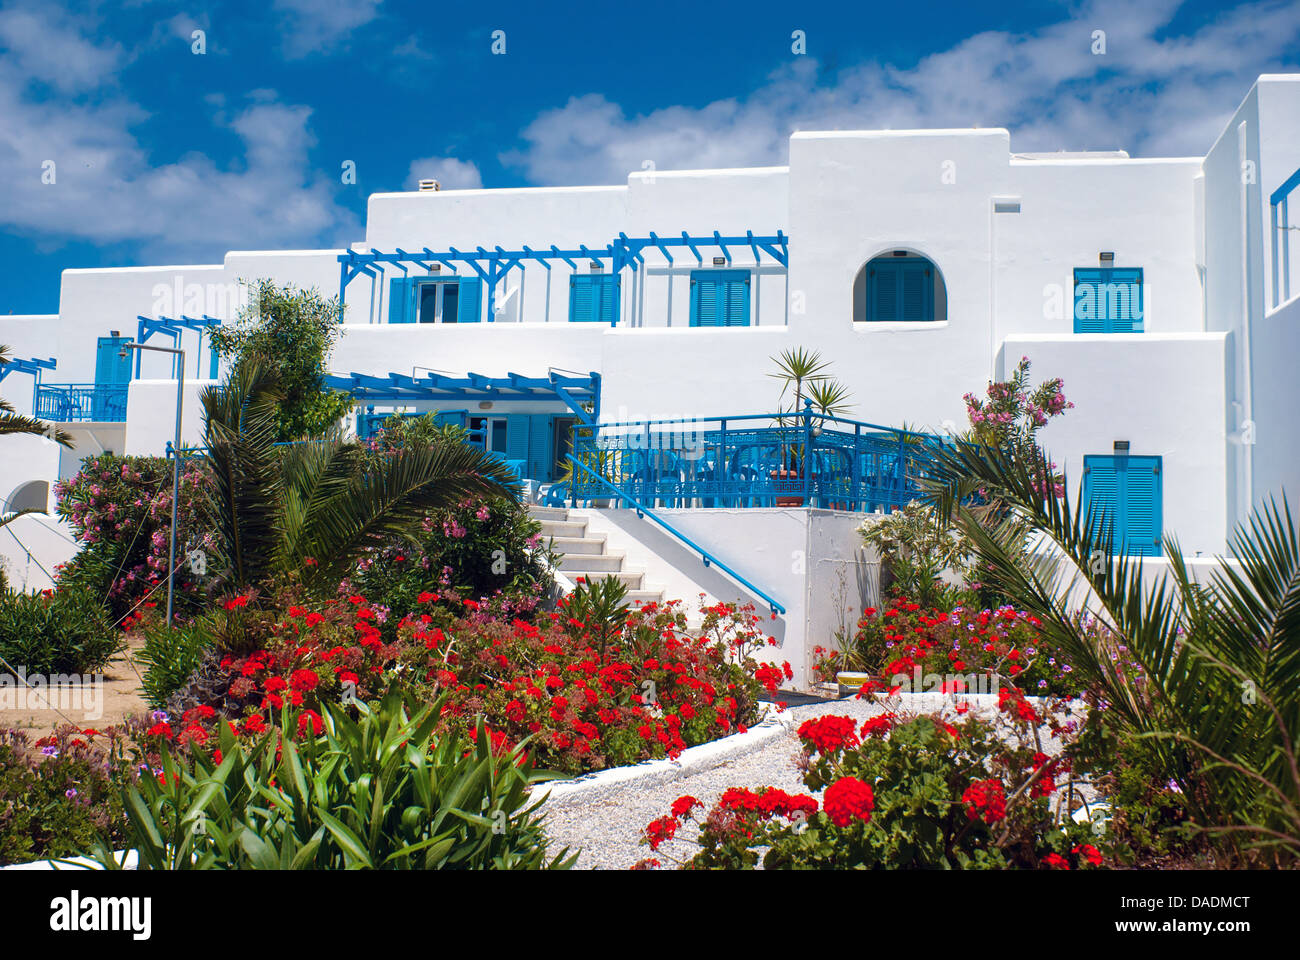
(172, 654)
(376, 792)
(56, 795)
(57, 631)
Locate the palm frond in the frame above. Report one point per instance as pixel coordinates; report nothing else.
(353, 509)
(240, 421)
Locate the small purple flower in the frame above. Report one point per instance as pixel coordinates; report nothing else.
(70, 792)
(50, 751)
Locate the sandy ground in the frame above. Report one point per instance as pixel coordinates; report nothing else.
(100, 705)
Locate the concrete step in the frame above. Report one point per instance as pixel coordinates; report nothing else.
(638, 597)
(630, 580)
(548, 513)
(592, 563)
(564, 528)
(571, 546)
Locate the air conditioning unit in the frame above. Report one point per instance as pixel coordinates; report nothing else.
(430, 185)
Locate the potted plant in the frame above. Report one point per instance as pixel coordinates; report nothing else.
(813, 391)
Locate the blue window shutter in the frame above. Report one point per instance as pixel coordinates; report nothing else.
(1130, 490)
(915, 291)
(1101, 495)
(454, 418)
(704, 299)
(470, 294)
(736, 303)
(517, 436)
(214, 372)
(401, 300)
(720, 298)
(1108, 300)
(1144, 507)
(539, 447)
(593, 298)
(1089, 313)
(882, 291)
(110, 366)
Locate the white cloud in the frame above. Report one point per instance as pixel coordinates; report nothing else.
(107, 188)
(1152, 94)
(451, 174)
(43, 46)
(322, 26)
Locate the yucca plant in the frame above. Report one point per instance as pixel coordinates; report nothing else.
(311, 509)
(377, 792)
(1218, 700)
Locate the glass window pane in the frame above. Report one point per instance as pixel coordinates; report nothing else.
(428, 299)
(450, 301)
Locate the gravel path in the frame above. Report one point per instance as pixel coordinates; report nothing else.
(607, 828)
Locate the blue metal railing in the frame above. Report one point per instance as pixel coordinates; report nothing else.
(754, 460)
(81, 402)
(581, 469)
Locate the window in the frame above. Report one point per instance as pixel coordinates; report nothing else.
(593, 298)
(719, 298)
(422, 300)
(1126, 494)
(1108, 300)
(900, 288)
(492, 430)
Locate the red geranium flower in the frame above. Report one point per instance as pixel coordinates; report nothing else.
(848, 799)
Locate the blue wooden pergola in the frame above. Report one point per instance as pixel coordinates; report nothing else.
(492, 266)
(34, 366)
(573, 390)
(172, 327)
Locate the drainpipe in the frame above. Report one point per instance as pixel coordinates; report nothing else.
(1247, 427)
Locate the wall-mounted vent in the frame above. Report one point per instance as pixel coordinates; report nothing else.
(1006, 206)
(430, 185)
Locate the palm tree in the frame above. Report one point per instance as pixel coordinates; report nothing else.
(311, 509)
(1218, 700)
(12, 422)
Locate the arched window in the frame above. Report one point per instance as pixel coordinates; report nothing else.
(33, 495)
(899, 286)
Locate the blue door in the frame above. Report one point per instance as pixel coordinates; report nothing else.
(112, 373)
(1126, 496)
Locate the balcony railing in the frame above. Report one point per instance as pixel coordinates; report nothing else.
(81, 402)
(758, 460)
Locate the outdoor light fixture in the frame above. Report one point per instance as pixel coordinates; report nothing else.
(436, 268)
(485, 405)
(900, 253)
(1121, 446)
(719, 261)
(1107, 256)
(596, 266)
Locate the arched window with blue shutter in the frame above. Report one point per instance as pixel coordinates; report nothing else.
(900, 289)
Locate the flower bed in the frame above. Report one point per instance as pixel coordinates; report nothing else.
(580, 696)
(907, 646)
(947, 790)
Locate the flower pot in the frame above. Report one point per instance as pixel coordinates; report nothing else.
(786, 475)
(851, 681)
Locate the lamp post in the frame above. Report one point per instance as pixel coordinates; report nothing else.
(176, 461)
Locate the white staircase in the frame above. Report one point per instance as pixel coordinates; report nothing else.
(586, 556)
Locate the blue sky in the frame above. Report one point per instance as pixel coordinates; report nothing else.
(165, 156)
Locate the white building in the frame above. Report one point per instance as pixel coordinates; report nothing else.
(1166, 293)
